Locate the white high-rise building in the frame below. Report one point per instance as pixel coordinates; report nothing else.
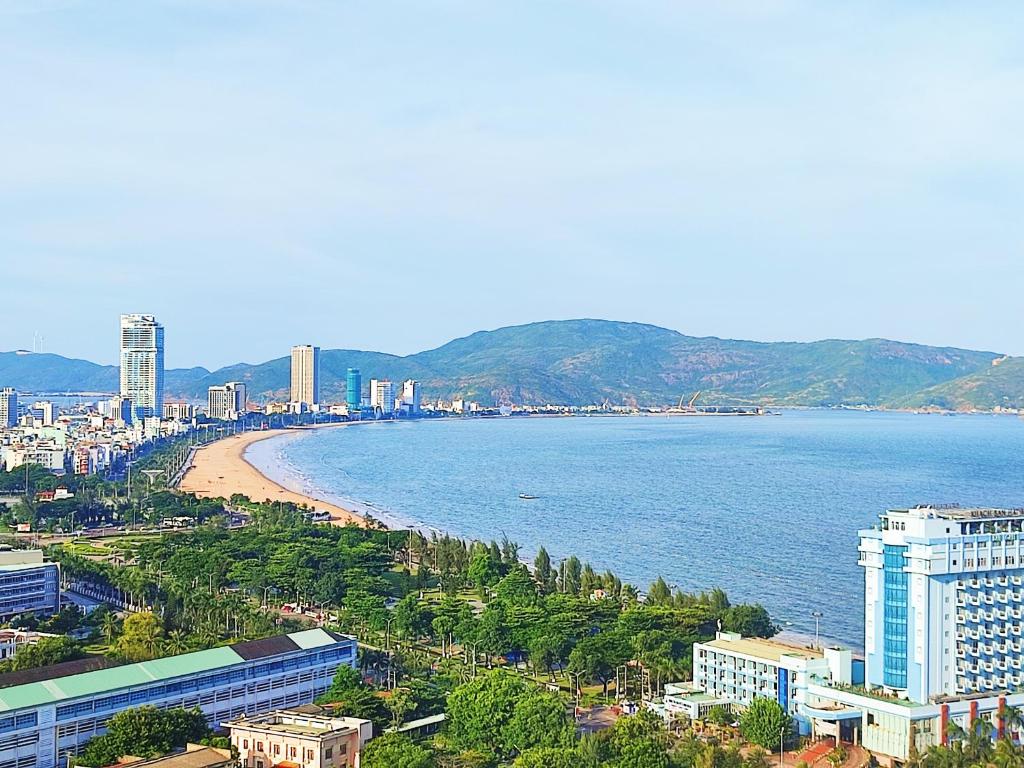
(305, 380)
(142, 364)
(944, 601)
(227, 401)
(411, 396)
(382, 396)
(8, 407)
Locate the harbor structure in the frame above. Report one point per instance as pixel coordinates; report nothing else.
(305, 376)
(142, 364)
(48, 714)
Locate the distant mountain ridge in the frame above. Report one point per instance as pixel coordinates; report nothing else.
(594, 361)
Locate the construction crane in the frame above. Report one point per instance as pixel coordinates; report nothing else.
(692, 400)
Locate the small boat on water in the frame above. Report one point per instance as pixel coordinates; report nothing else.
(527, 497)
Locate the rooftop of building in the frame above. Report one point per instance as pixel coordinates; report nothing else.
(295, 722)
(760, 648)
(194, 756)
(72, 680)
(956, 512)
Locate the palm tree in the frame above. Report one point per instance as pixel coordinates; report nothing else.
(109, 627)
(177, 642)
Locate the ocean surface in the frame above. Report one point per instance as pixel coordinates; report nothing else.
(767, 508)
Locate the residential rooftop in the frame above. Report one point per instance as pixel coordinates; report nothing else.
(194, 756)
(759, 648)
(296, 723)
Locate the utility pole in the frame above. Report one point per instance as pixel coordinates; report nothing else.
(817, 617)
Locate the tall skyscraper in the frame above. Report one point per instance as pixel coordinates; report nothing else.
(8, 407)
(142, 364)
(305, 375)
(353, 389)
(226, 402)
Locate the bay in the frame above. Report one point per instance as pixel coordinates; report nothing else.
(767, 508)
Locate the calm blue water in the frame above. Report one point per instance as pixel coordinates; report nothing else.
(766, 508)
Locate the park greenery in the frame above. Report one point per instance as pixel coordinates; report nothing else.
(145, 732)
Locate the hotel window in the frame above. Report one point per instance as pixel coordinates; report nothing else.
(277, 747)
(328, 753)
(245, 743)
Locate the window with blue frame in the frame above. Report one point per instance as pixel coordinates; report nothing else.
(894, 635)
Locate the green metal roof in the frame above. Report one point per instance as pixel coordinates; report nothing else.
(312, 638)
(107, 680)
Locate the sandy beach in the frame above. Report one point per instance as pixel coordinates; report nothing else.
(220, 469)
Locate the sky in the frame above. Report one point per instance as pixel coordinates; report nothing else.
(391, 175)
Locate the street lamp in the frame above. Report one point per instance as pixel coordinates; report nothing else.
(782, 745)
(816, 615)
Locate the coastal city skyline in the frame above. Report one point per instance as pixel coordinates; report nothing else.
(525, 385)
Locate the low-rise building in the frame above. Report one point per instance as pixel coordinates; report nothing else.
(12, 640)
(48, 714)
(739, 669)
(295, 738)
(28, 584)
(193, 756)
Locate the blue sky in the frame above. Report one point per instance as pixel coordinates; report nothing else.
(386, 175)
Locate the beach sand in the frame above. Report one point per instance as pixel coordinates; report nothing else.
(220, 469)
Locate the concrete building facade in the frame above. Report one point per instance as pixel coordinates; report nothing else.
(28, 584)
(142, 364)
(305, 375)
(47, 715)
(297, 738)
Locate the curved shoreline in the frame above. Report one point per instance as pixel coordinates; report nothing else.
(221, 469)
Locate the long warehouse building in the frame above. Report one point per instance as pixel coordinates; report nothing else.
(48, 714)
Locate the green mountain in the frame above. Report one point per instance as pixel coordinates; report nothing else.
(997, 385)
(593, 361)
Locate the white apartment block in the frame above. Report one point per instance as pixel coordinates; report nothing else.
(738, 669)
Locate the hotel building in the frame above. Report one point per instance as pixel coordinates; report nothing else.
(48, 714)
(944, 619)
(411, 396)
(737, 670)
(142, 364)
(27, 584)
(294, 737)
(226, 402)
(305, 375)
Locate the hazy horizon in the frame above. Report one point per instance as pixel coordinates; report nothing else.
(389, 177)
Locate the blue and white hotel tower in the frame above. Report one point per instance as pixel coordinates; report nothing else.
(944, 602)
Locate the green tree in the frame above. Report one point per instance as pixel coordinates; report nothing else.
(596, 657)
(749, 621)
(351, 698)
(48, 651)
(145, 732)
(140, 638)
(542, 571)
(400, 703)
(764, 722)
(483, 570)
(502, 714)
(548, 757)
(392, 750)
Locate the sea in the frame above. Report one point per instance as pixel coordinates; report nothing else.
(765, 507)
